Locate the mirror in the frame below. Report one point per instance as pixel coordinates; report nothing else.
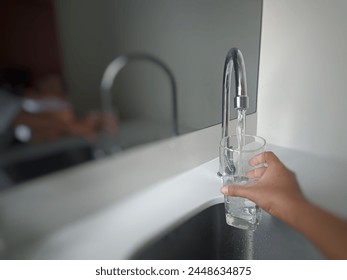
(62, 48)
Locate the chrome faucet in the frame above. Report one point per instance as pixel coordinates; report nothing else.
(233, 61)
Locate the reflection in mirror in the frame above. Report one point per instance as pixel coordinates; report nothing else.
(126, 139)
(54, 54)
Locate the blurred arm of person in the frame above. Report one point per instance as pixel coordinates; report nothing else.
(52, 125)
(278, 193)
(49, 115)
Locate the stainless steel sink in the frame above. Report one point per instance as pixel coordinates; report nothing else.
(207, 236)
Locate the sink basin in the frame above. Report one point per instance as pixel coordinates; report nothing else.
(207, 236)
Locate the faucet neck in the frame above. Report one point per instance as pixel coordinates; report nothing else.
(233, 61)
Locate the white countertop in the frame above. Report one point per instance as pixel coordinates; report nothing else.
(117, 231)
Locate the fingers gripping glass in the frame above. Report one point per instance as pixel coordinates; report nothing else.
(239, 170)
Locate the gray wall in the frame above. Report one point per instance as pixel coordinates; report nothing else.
(192, 37)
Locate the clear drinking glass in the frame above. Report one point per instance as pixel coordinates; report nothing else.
(240, 212)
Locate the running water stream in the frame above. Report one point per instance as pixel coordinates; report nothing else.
(240, 133)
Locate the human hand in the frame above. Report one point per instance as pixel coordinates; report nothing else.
(277, 190)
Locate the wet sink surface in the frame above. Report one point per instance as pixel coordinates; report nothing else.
(207, 236)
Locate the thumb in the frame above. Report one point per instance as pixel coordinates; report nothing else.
(235, 190)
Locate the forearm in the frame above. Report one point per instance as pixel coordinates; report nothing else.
(326, 231)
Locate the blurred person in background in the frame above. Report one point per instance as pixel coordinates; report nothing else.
(45, 110)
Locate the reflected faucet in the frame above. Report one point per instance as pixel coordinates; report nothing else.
(118, 64)
(113, 70)
(233, 61)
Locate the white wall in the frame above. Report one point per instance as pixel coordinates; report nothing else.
(302, 97)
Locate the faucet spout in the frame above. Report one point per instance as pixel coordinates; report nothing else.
(233, 61)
